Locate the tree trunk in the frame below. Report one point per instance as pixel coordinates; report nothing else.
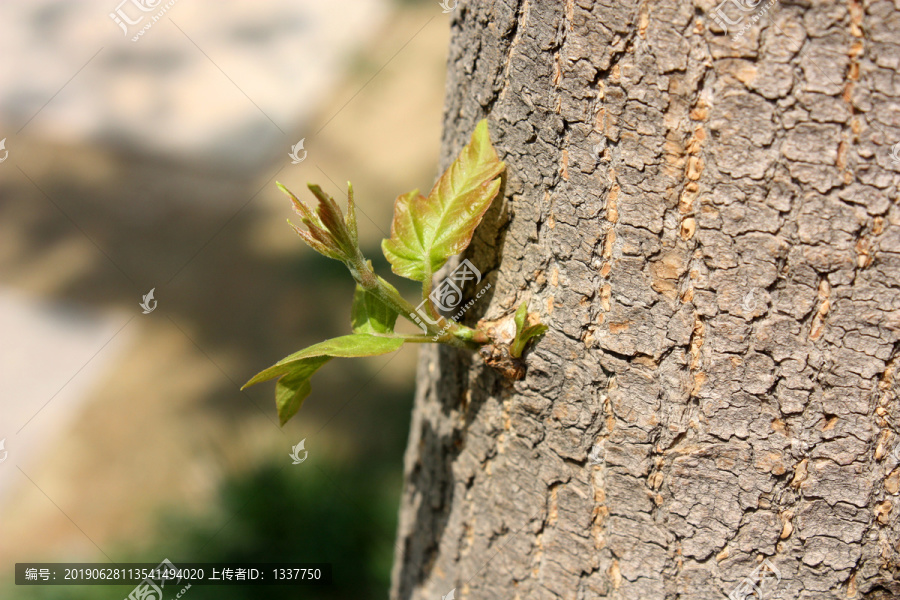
(709, 224)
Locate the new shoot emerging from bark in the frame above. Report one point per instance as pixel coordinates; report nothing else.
(426, 231)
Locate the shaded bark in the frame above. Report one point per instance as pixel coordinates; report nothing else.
(710, 228)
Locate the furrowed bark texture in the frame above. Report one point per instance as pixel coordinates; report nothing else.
(711, 229)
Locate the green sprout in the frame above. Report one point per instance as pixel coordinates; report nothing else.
(425, 233)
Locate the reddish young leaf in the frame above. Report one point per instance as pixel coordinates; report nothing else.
(427, 231)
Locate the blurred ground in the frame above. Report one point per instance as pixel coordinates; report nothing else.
(154, 167)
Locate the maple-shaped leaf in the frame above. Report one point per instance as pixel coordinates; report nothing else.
(426, 231)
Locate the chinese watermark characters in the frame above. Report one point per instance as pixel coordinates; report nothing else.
(759, 584)
(447, 296)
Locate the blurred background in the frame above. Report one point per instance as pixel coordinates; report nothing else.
(141, 144)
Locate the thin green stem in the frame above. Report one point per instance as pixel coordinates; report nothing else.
(446, 331)
(426, 296)
(373, 284)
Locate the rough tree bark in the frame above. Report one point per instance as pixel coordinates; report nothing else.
(710, 227)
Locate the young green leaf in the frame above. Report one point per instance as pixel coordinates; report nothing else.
(528, 334)
(524, 334)
(427, 231)
(357, 344)
(293, 388)
(521, 316)
(295, 370)
(371, 315)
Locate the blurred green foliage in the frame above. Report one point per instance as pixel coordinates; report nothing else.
(279, 512)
